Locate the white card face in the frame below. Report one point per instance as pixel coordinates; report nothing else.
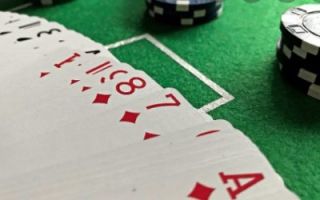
(240, 178)
(43, 32)
(68, 100)
(5, 16)
(8, 18)
(18, 26)
(60, 39)
(282, 194)
(41, 81)
(211, 127)
(78, 124)
(15, 54)
(156, 115)
(54, 61)
(39, 41)
(120, 167)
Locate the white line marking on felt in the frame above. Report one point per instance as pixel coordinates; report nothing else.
(23, 6)
(225, 96)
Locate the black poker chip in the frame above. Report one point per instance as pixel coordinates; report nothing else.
(288, 52)
(186, 21)
(293, 76)
(184, 5)
(293, 69)
(301, 26)
(192, 12)
(307, 88)
(49, 2)
(171, 8)
(298, 51)
(184, 12)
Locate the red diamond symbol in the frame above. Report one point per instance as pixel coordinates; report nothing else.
(130, 117)
(74, 81)
(201, 192)
(101, 99)
(85, 88)
(43, 74)
(148, 136)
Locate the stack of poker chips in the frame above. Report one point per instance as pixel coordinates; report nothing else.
(48, 2)
(21, 4)
(184, 12)
(298, 49)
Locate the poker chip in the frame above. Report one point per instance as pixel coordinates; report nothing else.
(310, 89)
(286, 53)
(301, 26)
(184, 5)
(195, 12)
(298, 49)
(293, 69)
(302, 76)
(186, 21)
(48, 2)
(171, 8)
(297, 53)
(184, 12)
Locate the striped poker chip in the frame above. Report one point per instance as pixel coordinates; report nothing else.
(294, 56)
(310, 89)
(296, 52)
(301, 26)
(183, 5)
(48, 2)
(170, 7)
(194, 13)
(193, 19)
(300, 77)
(292, 69)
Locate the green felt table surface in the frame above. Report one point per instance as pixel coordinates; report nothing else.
(237, 52)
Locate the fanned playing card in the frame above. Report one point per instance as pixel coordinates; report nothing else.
(77, 123)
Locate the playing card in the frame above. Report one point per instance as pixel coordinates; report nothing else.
(230, 175)
(241, 177)
(68, 100)
(19, 25)
(64, 38)
(8, 18)
(78, 124)
(147, 157)
(151, 117)
(62, 59)
(43, 31)
(4, 16)
(14, 54)
(24, 47)
(280, 195)
(42, 76)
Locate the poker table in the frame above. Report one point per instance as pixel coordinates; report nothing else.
(226, 67)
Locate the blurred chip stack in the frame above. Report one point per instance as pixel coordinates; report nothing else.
(9, 4)
(48, 2)
(184, 12)
(298, 49)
